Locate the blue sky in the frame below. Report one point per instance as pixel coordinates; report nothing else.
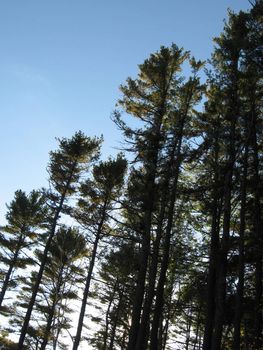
(61, 64)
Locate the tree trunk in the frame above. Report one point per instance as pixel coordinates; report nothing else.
(39, 275)
(105, 337)
(51, 312)
(88, 280)
(165, 334)
(198, 323)
(188, 331)
(10, 269)
(223, 251)
(214, 244)
(144, 325)
(259, 240)
(44, 261)
(48, 326)
(145, 248)
(116, 318)
(240, 286)
(166, 251)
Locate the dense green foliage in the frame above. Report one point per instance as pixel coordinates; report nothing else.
(164, 251)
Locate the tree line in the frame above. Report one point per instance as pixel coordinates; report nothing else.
(163, 251)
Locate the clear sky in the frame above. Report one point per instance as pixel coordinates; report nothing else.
(62, 61)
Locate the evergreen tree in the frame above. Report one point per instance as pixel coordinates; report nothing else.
(149, 98)
(115, 292)
(26, 214)
(65, 168)
(97, 201)
(61, 277)
(175, 252)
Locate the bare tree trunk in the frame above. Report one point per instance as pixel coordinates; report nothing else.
(116, 318)
(166, 252)
(143, 334)
(44, 260)
(259, 241)
(224, 248)
(51, 312)
(188, 330)
(240, 286)
(10, 269)
(214, 245)
(105, 337)
(88, 279)
(198, 321)
(145, 248)
(40, 272)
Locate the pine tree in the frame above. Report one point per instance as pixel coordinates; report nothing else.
(188, 95)
(26, 214)
(60, 279)
(149, 99)
(62, 276)
(65, 168)
(115, 290)
(95, 205)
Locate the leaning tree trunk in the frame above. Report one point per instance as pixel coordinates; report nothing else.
(145, 247)
(116, 319)
(259, 240)
(223, 251)
(10, 269)
(166, 250)
(143, 333)
(88, 279)
(214, 245)
(241, 258)
(41, 270)
(197, 331)
(51, 312)
(107, 322)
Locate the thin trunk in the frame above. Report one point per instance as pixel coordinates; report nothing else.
(58, 318)
(241, 258)
(165, 334)
(105, 338)
(145, 248)
(39, 276)
(165, 260)
(214, 244)
(169, 314)
(198, 323)
(232, 114)
(144, 325)
(55, 340)
(139, 293)
(188, 331)
(88, 280)
(223, 252)
(48, 325)
(10, 269)
(43, 263)
(114, 327)
(51, 312)
(259, 241)
(166, 251)
(160, 336)
(165, 329)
